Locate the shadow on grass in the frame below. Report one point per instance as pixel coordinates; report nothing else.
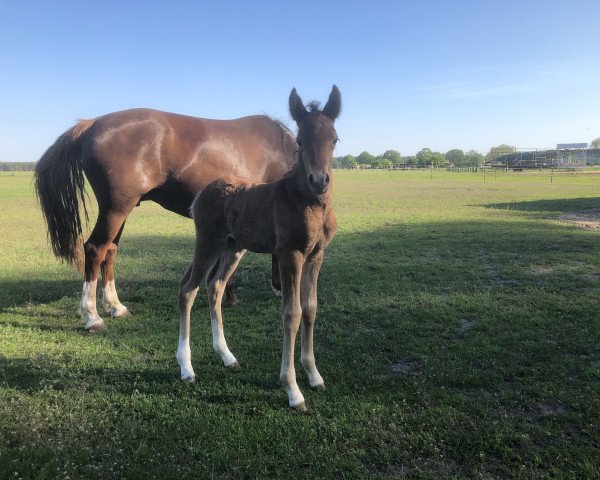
(430, 253)
(564, 205)
(383, 295)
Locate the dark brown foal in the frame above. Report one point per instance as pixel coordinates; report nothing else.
(291, 218)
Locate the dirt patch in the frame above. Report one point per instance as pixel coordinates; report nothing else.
(492, 269)
(541, 270)
(466, 325)
(588, 219)
(405, 366)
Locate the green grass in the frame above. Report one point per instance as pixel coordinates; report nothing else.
(458, 334)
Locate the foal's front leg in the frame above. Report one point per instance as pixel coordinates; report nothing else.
(308, 302)
(290, 268)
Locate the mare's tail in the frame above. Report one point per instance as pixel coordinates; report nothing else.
(60, 183)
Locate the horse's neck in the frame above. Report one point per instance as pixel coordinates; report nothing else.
(296, 180)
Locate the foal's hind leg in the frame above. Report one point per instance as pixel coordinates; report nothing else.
(110, 299)
(216, 286)
(206, 255)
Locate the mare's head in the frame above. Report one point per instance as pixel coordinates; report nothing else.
(316, 138)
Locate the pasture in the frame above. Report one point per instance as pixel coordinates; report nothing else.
(458, 334)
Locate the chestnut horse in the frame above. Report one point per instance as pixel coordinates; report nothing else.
(291, 218)
(137, 155)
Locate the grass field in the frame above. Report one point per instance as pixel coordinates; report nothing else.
(458, 334)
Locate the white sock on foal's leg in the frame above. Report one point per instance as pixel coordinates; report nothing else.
(184, 357)
(220, 345)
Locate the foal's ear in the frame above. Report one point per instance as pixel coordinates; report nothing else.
(334, 104)
(297, 108)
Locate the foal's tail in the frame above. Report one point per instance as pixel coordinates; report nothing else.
(60, 183)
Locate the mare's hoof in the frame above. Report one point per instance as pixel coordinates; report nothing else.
(276, 291)
(96, 327)
(301, 407)
(189, 379)
(234, 366)
(119, 311)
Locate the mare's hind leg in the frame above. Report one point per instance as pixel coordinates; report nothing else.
(110, 299)
(208, 251)
(106, 230)
(216, 286)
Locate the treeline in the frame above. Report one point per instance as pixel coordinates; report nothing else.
(425, 158)
(17, 166)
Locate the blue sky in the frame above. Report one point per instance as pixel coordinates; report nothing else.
(437, 74)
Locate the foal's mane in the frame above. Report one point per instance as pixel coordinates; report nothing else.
(313, 106)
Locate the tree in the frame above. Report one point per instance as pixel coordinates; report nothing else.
(455, 156)
(498, 151)
(473, 158)
(411, 161)
(426, 157)
(347, 161)
(365, 158)
(393, 156)
(383, 163)
(595, 143)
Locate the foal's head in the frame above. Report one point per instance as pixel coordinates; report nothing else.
(316, 138)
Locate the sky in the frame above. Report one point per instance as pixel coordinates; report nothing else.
(413, 74)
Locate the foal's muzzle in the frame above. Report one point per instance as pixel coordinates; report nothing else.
(319, 183)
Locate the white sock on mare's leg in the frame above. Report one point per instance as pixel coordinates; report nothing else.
(87, 307)
(111, 302)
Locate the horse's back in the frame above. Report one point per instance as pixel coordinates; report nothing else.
(141, 151)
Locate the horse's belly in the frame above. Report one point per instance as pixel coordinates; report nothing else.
(253, 241)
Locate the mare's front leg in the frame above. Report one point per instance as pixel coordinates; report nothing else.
(217, 283)
(308, 302)
(290, 268)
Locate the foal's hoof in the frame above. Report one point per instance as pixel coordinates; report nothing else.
(301, 407)
(230, 299)
(96, 327)
(189, 379)
(119, 311)
(234, 366)
(319, 387)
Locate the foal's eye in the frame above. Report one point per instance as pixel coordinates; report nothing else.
(336, 141)
(299, 143)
